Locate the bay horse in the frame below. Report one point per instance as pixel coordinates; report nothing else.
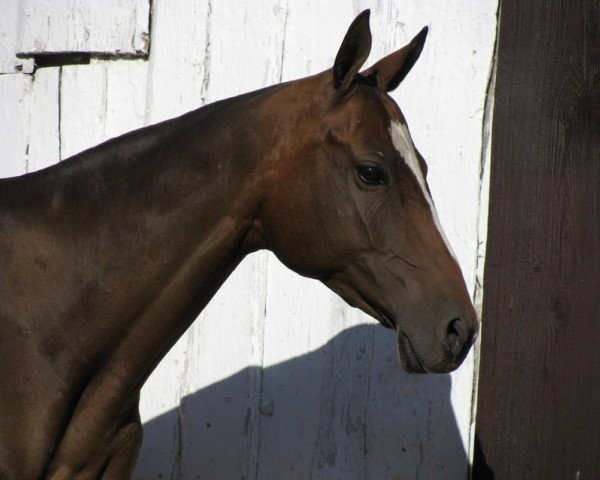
(110, 255)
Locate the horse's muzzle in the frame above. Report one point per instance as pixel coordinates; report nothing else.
(407, 356)
(458, 337)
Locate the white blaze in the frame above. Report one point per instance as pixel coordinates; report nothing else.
(404, 145)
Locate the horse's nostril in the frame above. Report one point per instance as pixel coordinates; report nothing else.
(457, 334)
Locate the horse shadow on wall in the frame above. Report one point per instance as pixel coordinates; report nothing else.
(345, 410)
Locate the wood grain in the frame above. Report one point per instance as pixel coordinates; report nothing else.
(114, 27)
(44, 135)
(15, 115)
(539, 388)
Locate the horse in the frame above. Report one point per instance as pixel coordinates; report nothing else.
(109, 256)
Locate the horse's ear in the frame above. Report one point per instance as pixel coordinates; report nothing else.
(352, 53)
(391, 70)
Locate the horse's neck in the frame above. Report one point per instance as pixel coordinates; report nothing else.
(120, 248)
(142, 231)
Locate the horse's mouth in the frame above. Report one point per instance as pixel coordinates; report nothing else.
(385, 319)
(408, 358)
(406, 353)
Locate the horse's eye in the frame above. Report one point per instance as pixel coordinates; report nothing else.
(370, 174)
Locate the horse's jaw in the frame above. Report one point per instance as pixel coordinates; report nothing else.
(420, 344)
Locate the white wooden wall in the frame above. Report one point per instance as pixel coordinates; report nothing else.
(278, 378)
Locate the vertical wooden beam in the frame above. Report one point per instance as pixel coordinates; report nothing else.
(539, 388)
(44, 125)
(15, 115)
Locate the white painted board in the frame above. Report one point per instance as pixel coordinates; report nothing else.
(100, 101)
(44, 131)
(107, 26)
(9, 39)
(15, 112)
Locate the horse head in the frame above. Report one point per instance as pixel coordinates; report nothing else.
(350, 206)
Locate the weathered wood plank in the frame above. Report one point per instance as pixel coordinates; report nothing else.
(220, 386)
(15, 98)
(178, 71)
(81, 128)
(174, 86)
(9, 35)
(114, 97)
(411, 426)
(44, 134)
(297, 431)
(125, 95)
(539, 389)
(443, 99)
(110, 26)
(222, 382)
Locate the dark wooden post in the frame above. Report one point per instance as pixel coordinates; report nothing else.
(539, 387)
